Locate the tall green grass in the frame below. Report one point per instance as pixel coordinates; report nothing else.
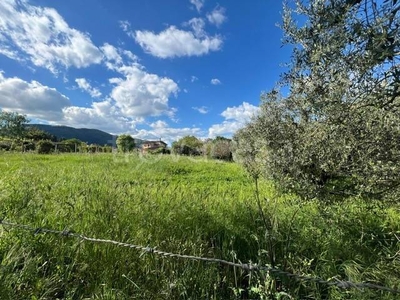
(186, 206)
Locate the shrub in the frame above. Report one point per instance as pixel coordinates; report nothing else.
(28, 146)
(188, 145)
(5, 145)
(44, 147)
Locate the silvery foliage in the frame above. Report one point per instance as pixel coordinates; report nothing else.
(332, 125)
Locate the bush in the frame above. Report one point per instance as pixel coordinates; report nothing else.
(221, 149)
(16, 145)
(44, 147)
(188, 145)
(28, 146)
(5, 145)
(160, 151)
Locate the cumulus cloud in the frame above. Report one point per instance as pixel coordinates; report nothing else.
(236, 117)
(83, 84)
(102, 115)
(137, 92)
(161, 130)
(31, 98)
(159, 124)
(243, 112)
(136, 95)
(41, 35)
(215, 81)
(217, 16)
(111, 53)
(198, 4)
(202, 109)
(174, 42)
(115, 58)
(194, 78)
(142, 94)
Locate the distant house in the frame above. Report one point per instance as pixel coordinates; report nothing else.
(153, 146)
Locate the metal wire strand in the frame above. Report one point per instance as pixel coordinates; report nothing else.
(248, 267)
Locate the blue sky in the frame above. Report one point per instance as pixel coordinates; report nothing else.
(153, 69)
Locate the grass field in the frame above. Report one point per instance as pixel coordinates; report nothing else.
(186, 206)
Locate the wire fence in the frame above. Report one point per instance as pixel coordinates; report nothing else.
(343, 284)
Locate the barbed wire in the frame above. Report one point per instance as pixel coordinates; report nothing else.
(343, 284)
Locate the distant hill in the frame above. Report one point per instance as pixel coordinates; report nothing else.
(90, 136)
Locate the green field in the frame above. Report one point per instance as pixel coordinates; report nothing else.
(186, 206)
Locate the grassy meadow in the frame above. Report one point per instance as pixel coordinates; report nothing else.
(187, 206)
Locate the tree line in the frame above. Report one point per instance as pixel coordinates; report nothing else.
(16, 135)
(217, 148)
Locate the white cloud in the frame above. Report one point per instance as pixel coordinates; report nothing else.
(161, 130)
(217, 16)
(236, 117)
(215, 81)
(159, 124)
(224, 129)
(102, 115)
(197, 25)
(198, 4)
(137, 93)
(142, 94)
(174, 42)
(125, 25)
(86, 86)
(130, 55)
(243, 112)
(41, 35)
(115, 58)
(31, 98)
(202, 109)
(111, 53)
(193, 79)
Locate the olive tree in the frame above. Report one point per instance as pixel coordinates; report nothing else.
(333, 122)
(221, 148)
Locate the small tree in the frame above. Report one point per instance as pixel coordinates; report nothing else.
(220, 148)
(12, 125)
(70, 145)
(35, 134)
(44, 147)
(125, 143)
(188, 145)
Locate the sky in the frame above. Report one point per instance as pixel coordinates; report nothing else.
(153, 69)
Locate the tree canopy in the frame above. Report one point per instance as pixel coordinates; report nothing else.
(125, 143)
(332, 124)
(12, 124)
(36, 134)
(188, 145)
